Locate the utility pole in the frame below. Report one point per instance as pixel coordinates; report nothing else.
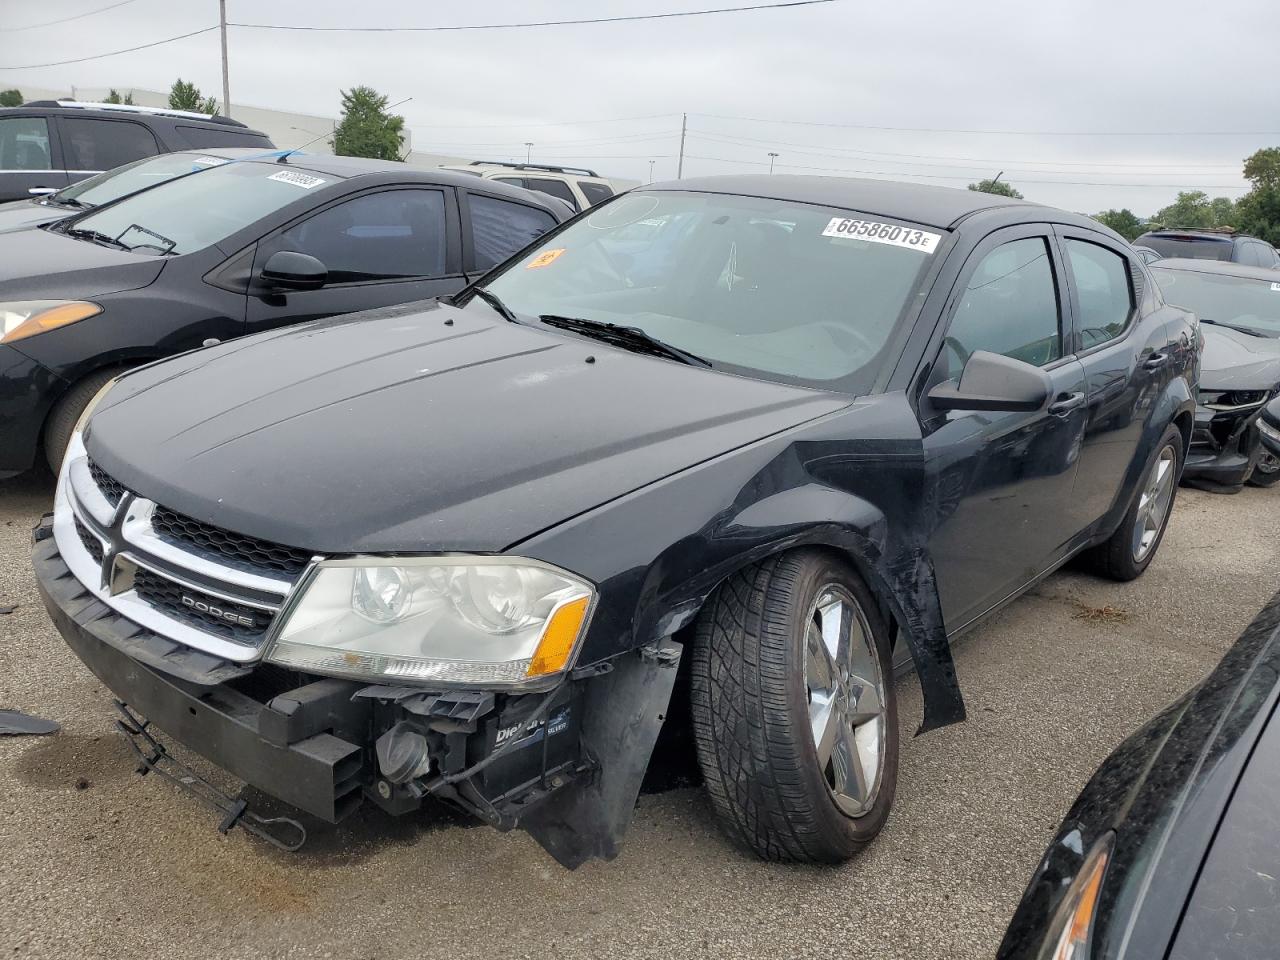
(651, 163)
(226, 82)
(772, 157)
(684, 126)
(528, 151)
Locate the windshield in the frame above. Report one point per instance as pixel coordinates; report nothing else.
(191, 213)
(1236, 301)
(790, 291)
(1195, 248)
(133, 177)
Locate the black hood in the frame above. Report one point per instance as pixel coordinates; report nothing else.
(398, 430)
(22, 214)
(42, 264)
(1238, 361)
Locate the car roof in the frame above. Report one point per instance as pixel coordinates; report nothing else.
(118, 111)
(346, 168)
(1222, 267)
(1198, 234)
(918, 202)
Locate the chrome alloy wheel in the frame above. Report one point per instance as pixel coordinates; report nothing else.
(846, 694)
(1153, 502)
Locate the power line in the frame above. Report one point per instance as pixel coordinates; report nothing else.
(880, 174)
(535, 23)
(54, 23)
(1012, 133)
(927, 163)
(737, 140)
(113, 53)
(551, 123)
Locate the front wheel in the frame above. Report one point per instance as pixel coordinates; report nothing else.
(1130, 550)
(794, 712)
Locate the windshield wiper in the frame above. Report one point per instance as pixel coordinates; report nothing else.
(95, 236)
(1239, 329)
(495, 301)
(629, 338)
(69, 202)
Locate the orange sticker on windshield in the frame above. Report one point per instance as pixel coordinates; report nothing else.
(545, 259)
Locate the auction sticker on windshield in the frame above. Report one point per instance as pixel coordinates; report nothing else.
(545, 258)
(876, 232)
(305, 181)
(208, 161)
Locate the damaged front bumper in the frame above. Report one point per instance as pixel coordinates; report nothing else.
(324, 745)
(1225, 439)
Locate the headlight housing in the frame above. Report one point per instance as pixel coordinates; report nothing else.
(497, 622)
(25, 318)
(1073, 923)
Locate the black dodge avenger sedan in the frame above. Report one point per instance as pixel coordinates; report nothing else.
(236, 248)
(776, 433)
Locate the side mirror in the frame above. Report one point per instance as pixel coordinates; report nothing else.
(296, 271)
(990, 381)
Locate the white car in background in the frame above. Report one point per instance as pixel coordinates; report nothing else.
(576, 186)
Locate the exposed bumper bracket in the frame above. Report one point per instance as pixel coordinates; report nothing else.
(154, 757)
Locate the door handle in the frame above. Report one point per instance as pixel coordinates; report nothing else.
(42, 191)
(1155, 361)
(1063, 406)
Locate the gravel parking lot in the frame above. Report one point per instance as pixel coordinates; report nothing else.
(101, 863)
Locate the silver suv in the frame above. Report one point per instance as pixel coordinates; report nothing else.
(576, 186)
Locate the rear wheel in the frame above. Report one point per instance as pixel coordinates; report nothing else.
(66, 413)
(1131, 548)
(1266, 472)
(794, 712)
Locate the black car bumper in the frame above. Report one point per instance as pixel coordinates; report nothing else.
(281, 753)
(1224, 448)
(27, 391)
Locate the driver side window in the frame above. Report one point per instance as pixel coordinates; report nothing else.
(1009, 306)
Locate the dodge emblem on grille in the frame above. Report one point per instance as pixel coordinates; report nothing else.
(228, 615)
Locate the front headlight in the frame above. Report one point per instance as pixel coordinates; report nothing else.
(1269, 431)
(488, 621)
(1073, 923)
(26, 318)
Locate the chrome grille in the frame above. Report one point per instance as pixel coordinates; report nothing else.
(234, 546)
(111, 489)
(202, 610)
(208, 588)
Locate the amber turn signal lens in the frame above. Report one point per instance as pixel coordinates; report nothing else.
(43, 318)
(1082, 904)
(558, 639)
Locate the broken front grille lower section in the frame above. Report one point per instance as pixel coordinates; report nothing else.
(210, 589)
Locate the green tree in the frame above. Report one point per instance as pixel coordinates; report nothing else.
(187, 96)
(1124, 222)
(114, 97)
(11, 98)
(366, 129)
(999, 187)
(1259, 209)
(1193, 210)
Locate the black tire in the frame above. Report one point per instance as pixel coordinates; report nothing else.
(1116, 558)
(66, 413)
(750, 712)
(1266, 472)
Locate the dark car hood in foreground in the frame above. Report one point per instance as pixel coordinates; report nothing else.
(1238, 361)
(40, 264)
(396, 430)
(1163, 793)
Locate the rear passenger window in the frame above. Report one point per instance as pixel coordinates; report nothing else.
(91, 144)
(1103, 289)
(397, 234)
(1010, 307)
(594, 192)
(554, 188)
(499, 228)
(24, 143)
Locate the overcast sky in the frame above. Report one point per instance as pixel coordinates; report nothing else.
(1049, 71)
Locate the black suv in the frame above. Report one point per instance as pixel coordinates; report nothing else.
(1224, 244)
(46, 145)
